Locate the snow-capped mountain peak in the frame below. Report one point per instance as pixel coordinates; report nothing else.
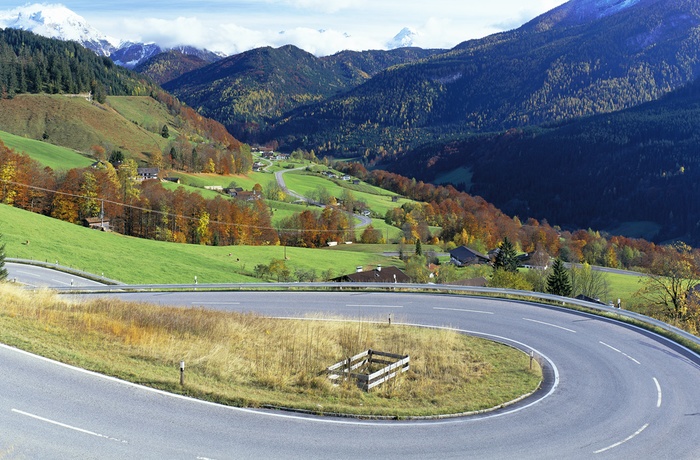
(57, 21)
(403, 39)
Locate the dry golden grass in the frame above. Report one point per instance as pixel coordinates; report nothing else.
(250, 360)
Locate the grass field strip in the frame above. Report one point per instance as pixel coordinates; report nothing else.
(63, 425)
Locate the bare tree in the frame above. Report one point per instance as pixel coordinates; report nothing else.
(588, 282)
(671, 283)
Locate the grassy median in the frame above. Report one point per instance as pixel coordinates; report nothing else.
(252, 361)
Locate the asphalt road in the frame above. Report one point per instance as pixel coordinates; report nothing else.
(616, 392)
(34, 276)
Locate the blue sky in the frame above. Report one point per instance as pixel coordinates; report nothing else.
(318, 26)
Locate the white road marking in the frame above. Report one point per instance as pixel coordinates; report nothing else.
(375, 306)
(658, 389)
(549, 324)
(216, 303)
(29, 274)
(63, 425)
(463, 310)
(60, 282)
(621, 352)
(617, 444)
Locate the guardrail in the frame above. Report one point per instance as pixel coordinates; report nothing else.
(399, 287)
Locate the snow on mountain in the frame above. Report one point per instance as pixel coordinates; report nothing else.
(603, 8)
(403, 39)
(57, 21)
(131, 54)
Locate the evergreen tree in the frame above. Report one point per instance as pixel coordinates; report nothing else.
(3, 270)
(165, 132)
(506, 259)
(419, 248)
(559, 282)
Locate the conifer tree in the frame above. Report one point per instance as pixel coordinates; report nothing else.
(419, 248)
(506, 259)
(559, 282)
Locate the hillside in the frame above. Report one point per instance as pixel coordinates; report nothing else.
(52, 156)
(637, 165)
(553, 68)
(248, 91)
(135, 260)
(79, 124)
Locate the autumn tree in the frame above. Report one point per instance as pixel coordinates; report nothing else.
(506, 279)
(671, 283)
(588, 282)
(371, 235)
(559, 282)
(417, 270)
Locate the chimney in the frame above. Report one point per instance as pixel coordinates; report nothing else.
(359, 269)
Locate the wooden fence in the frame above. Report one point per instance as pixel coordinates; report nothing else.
(359, 368)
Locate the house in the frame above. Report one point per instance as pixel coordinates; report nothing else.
(247, 196)
(378, 275)
(463, 256)
(97, 223)
(356, 182)
(233, 191)
(147, 173)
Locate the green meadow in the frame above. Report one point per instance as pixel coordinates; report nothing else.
(133, 260)
(53, 156)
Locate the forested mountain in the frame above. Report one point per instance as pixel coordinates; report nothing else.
(168, 66)
(641, 164)
(30, 63)
(248, 91)
(583, 58)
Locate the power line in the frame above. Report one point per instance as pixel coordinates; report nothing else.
(168, 214)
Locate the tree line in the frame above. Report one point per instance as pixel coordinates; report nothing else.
(145, 210)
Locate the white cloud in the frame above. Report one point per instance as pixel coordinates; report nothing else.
(236, 26)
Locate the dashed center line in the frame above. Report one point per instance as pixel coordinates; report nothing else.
(621, 352)
(658, 390)
(465, 311)
(376, 306)
(617, 444)
(216, 303)
(63, 425)
(550, 325)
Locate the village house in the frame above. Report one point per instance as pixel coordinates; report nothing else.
(97, 223)
(378, 275)
(143, 174)
(463, 256)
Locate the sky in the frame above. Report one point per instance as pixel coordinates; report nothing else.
(321, 27)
